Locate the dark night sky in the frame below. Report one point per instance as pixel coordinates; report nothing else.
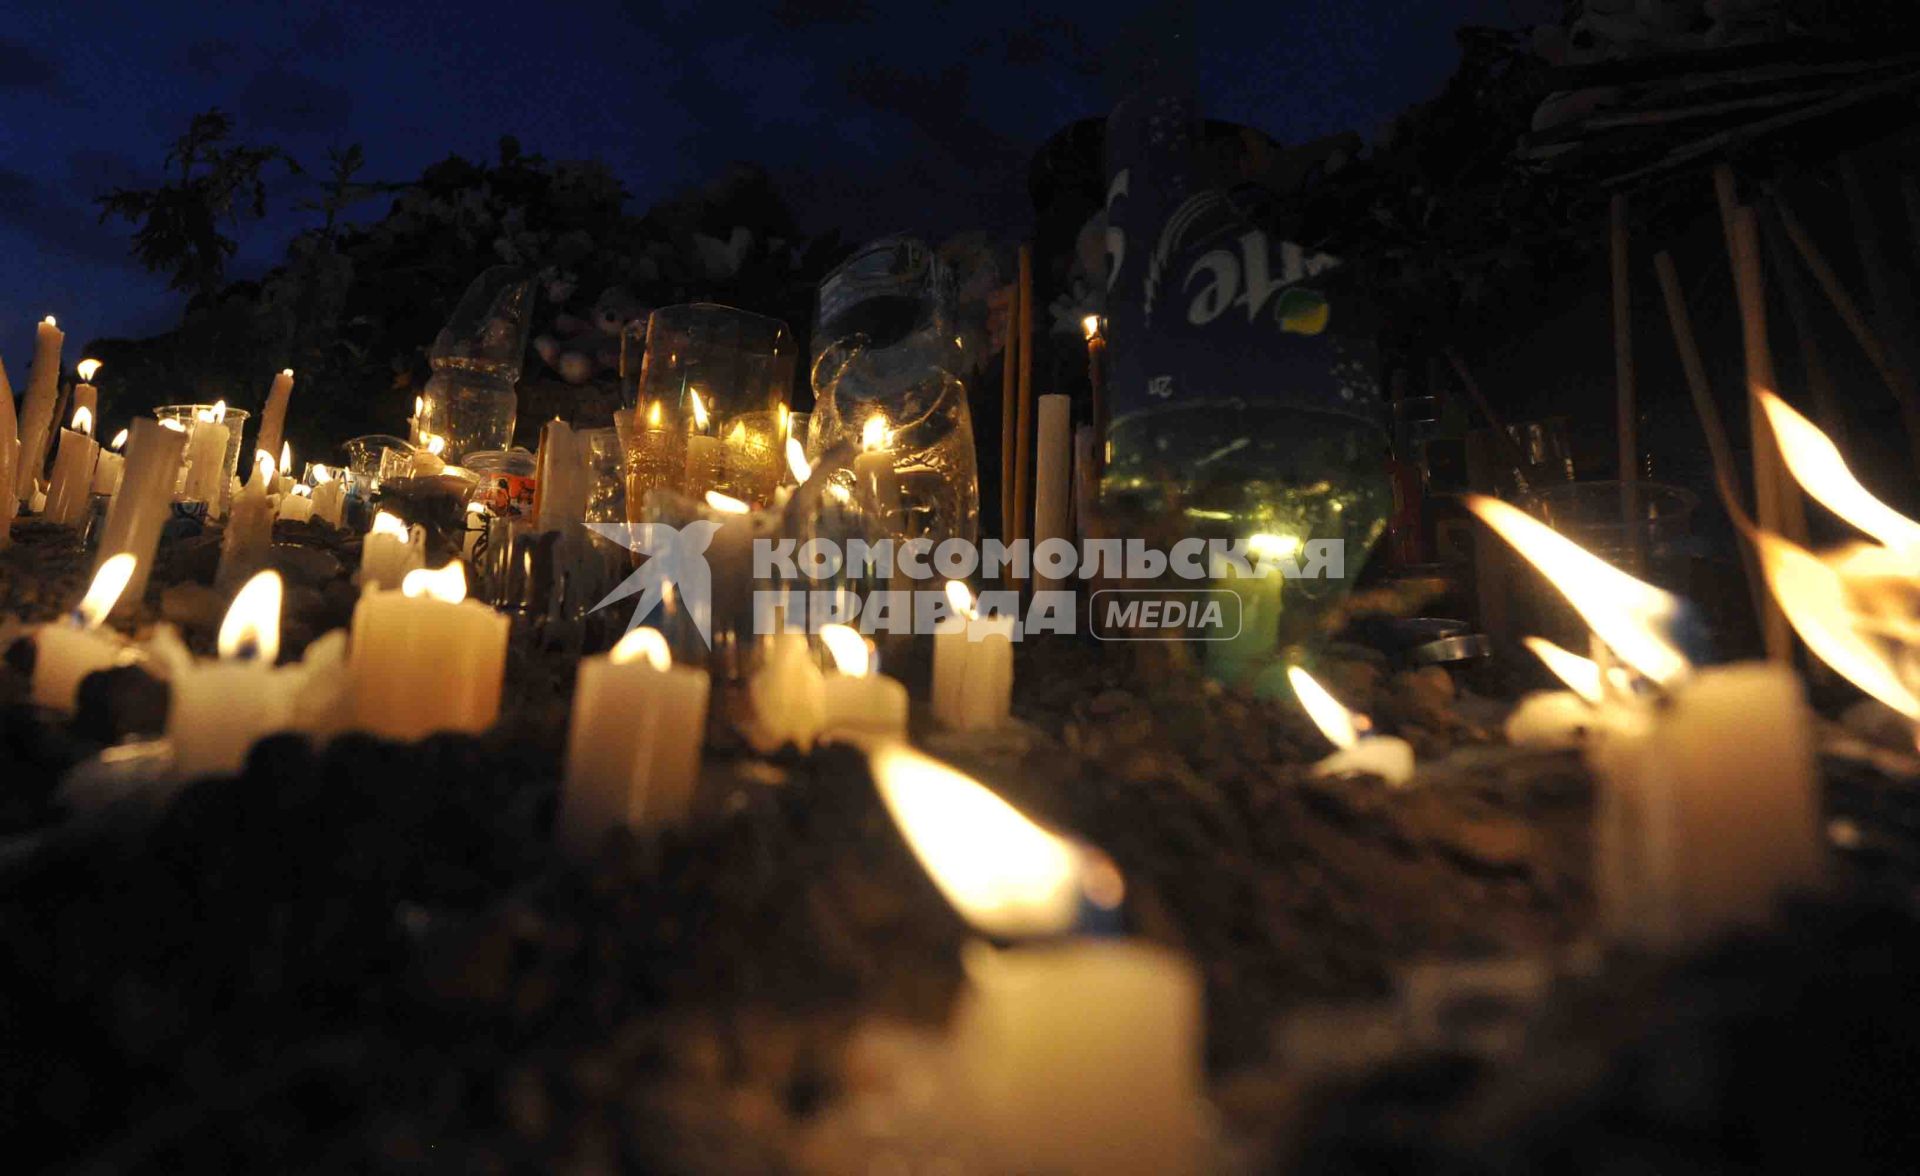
(873, 115)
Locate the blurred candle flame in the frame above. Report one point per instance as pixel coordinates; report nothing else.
(448, 583)
(726, 503)
(1336, 722)
(642, 644)
(699, 408)
(1582, 675)
(87, 368)
(119, 439)
(1815, 462)
(851, 654)
(387, 523)
(251, 629)
(961, 598)
(1814, 598)
(797, 460)
(83, 420)
(108, 583)
(875, 435)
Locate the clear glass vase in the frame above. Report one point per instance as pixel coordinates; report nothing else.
(470, 402)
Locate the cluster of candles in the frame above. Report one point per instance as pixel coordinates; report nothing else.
(694, 452)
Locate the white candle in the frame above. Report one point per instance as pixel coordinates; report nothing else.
(140, 506)
(390, 551)
(296, 505)
(65, 652)
(560, 480)
(855, 698)
(273, 418)
(706, 457)
(1074, 1055)
(1551, 720)
(36, 411)
(873, 473)
(425, 658)
(785, 695)
(249, 533)
(329, 497)
(109, 466)
(207, 458)
(972, 666)
(633, 741)
(221, 708)
(1051, 504)
(69, 497)
(1385, 756)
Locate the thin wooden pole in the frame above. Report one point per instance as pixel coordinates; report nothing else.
(1009, 411)
(1023, 444)
(1626, 421)
(1898, 382)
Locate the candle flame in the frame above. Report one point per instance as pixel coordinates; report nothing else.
(286, 455)
(435, 443)
(1004, 874)
(1582, 675)
(303, 491)
(642, 644)
(108, 583)
(851, 654)
(726, 503)
(448, 583)
(797, 460)
(219, 411)
(875, 435)
(1815, 462)
(49, 321)
(86, 368)
(176, 426)
(321, 474)
(387, 523)
(783, 417)
(1626, 613)
(1091, 325)
(287, 372)
(1336, 722)
(264, 463)
(252, 627)
(654, 412)
(419, 405)
(699, 409)
(119, 439)
(1814, 598)
(961, 598)
(83, 420)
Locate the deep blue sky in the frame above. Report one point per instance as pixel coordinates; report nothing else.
(873, 114)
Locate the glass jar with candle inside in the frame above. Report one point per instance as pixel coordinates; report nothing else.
(711, 371)
(213, 440)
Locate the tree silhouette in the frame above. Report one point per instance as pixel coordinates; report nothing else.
(211, 182)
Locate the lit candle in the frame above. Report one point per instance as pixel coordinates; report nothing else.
(283, 484)
(873, 474)
(972, 666)
(856, 699)
(249, 534)
(85, 395)
(560, 480)
(329, 496)
(109, 466)
(706, 457)
(36, 411)
(65, 652)
(221, 708)
(1385, 756)
(651, 456)
(785, 695)
(425, 658)
(141, 505)
(633, 742)
(207, 458)
(1054, 454)
(69, 497)
(1708, 807)
(273, 419)
(1075, 1055)
(296, 505)
(391, 551)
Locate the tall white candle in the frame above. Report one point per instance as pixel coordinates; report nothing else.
(425, 658)
(249, 534)
(273, 417)
(36, 412)
(207, 458)
(1051, 504)
(109, 466)
(972, 666)
(633, 741)
(855, 698)
(69, 495)
(140, 507)
(65, 652)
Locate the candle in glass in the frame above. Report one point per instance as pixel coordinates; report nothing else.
(69, 496)
(633, 741)
(754, 450)
(652, 455)
(36, 411)
(425, 658)
(876, 484)
(65, 652)
(706, 457)
(140, 506)
(207, 457)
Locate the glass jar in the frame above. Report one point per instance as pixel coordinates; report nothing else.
(191, 419)
(470, 403)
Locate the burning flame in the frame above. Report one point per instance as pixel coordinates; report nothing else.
(176, 426)
(1814, 598)
(642, 644)
(852, 655)
(1336, 722)
(87, 368)
(302, 491)
(654, 411)
(435, 443)
(783, 419)
(1091, 325)
(419, 405)
(286, 457)
(321, 474)
(1006, 875)
(83, 420)
(699, 409)
(216, 414)
(448, 583)
(726, 503)
(108, 583)
(387, 523)
(1816, 464)
(875, 435)
(961, 598)
(738, 435)
(49, 321)
(119, 439)
(1582, 675)
(1626, 613)
(797, 461)
(252, 628)
(263, 461)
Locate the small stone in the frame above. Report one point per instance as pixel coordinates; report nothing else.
(192, 606)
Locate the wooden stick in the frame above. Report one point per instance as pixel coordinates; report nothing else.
(1813, 365)
(1023, 446)
(1626, 421)
(1898, 382)
(1009, 418)
(1726, 471)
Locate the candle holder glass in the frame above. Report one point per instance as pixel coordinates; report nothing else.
(191, 417)
(753, 456)
(652, 455)
(735, 361)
